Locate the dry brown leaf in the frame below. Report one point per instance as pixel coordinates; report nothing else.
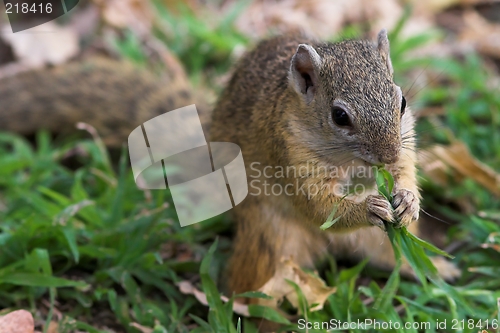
(325, 18)
(20, 321)
(477, 2)
(437, 6)
(430, 111)
(492, 241)
(485, 36)
(134, 14)
(85, 21)
(439, 162)
(47, 43)
(314, 288)
(187, 288)
(141, 328)
(193, 5)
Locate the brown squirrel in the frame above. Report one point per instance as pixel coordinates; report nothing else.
(291, 102)
(301, 103)
(113, 96)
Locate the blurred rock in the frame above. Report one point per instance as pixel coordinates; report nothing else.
(20, 321)
(136, 15)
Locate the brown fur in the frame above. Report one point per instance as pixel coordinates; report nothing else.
(115, 97)
(276, 126)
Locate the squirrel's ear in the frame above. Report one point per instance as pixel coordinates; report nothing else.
(383, 48)
(304, 71)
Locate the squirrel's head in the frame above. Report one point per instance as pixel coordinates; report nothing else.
(347, 99)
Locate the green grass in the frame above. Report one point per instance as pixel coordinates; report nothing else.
(77, 233)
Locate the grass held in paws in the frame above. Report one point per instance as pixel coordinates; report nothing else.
(407, 245)
(413, 249)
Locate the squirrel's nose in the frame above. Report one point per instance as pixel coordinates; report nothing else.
(389, 160)
(390, 157)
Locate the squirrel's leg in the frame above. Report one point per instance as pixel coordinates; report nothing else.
(254, 256)
(406, 196)
(264, 235)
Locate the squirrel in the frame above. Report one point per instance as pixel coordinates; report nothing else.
(112, 96)
(292, 103)
(297, 102)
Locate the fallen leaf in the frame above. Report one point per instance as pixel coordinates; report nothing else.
(492, 242)
(20, 321)
(47, 43)
(314, 288)
(430, 111)
(437, 6)
(187, 288)
(439, 162)
(53, 327)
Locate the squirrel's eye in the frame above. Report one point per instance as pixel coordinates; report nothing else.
(403, 106)
(340, 117)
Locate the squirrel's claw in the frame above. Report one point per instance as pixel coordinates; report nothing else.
(406, 207)
(379, 210)
(446, 269)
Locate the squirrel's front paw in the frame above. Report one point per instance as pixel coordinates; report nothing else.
(406, 207)
(379, 210)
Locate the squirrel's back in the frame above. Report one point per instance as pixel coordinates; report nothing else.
(292, 104)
